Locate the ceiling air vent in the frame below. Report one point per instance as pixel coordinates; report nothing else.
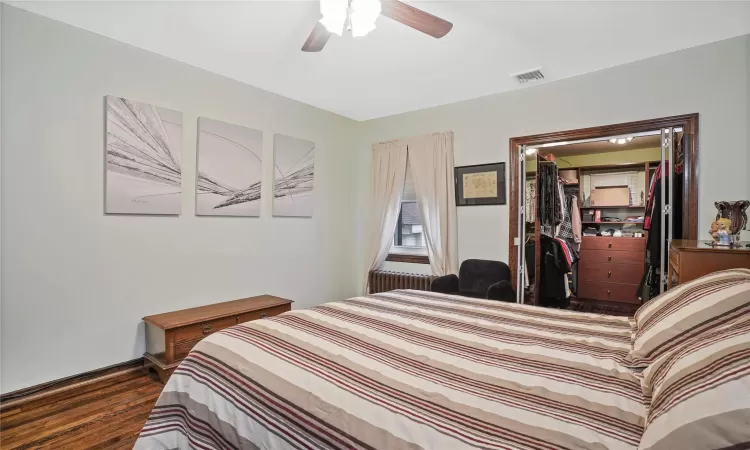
(529, 76)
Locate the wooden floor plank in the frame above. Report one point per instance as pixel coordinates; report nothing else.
(102, 415)
(15, 414)
(73, 380)
(92, 435)
(57, 406)
(74, 392)
(79, 417)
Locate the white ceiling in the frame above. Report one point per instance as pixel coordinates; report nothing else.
(396, 69)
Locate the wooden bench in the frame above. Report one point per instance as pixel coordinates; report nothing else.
(170, 336)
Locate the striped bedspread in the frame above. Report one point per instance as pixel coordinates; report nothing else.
(406, 370)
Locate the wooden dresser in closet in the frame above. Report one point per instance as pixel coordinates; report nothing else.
(610, 268)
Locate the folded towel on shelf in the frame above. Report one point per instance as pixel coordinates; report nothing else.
(590, 231)
(633, 227)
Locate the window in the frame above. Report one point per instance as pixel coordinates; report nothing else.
(408, 239)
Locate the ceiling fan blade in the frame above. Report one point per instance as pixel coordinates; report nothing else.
(416, 18)
(317, 39)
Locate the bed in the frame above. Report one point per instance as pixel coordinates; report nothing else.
(417, 370)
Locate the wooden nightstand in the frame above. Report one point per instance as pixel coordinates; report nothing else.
(689, 260)
(170, 336)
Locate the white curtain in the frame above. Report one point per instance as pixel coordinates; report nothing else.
(431, 162)
(388, 174)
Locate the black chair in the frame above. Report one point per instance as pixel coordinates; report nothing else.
(478, 278)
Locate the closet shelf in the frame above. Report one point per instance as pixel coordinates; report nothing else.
(615, 223)
(613, 207)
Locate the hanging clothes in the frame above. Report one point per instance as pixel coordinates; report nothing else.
(555, 265)
(650, 201)
(549, 209)
(679, 168)
(530, 259)
(531, 201)
(653, 244)
(569, 252)
(571, 256)
(561, 204)
(650, 283)
(649, 286)
(575, 215)
(565, 230)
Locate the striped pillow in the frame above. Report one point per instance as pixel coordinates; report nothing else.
(700, 393)
(665, 323)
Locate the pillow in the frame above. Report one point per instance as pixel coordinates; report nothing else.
(667, 321)
(700, 393)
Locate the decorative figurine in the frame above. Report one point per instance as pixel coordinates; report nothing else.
(723, 232)
(714, 230)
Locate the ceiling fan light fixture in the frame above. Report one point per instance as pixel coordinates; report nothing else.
(359, 16)
(334, 15)
(621, 141)
(363, 15)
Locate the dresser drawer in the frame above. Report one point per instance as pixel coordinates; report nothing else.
(171, 336)
(613, 243)
(610, 272)
(674, 258)
(615, 257)
(203, 329)
(183, 348)
(613, 292)
(262, 313)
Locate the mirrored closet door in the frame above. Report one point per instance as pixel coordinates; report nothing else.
(595, 217)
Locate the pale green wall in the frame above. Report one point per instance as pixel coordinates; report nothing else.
(595, 159)
(103, 273)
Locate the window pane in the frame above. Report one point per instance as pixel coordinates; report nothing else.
(409, 232)
(411, 225)
(409, 195)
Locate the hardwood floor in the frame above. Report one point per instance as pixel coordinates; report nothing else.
(105, 414)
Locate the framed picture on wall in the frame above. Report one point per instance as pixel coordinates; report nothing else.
(481, 184)
(229, 170)
(144, 158)
(293, 176)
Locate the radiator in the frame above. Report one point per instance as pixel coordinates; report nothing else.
(383, 280)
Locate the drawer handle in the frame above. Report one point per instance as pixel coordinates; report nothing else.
(263, 315)
(609, 258)
(206, 329)
(609, 274)
(609, 292)
(609, 245)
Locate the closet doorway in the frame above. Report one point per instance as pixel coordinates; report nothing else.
(593, 212)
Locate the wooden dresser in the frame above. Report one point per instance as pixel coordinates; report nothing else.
(689, 260)
(170, 336)
(610, 268)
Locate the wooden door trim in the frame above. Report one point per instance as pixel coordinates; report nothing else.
(689, 124)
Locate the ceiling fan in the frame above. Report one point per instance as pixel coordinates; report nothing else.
(359, 17)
